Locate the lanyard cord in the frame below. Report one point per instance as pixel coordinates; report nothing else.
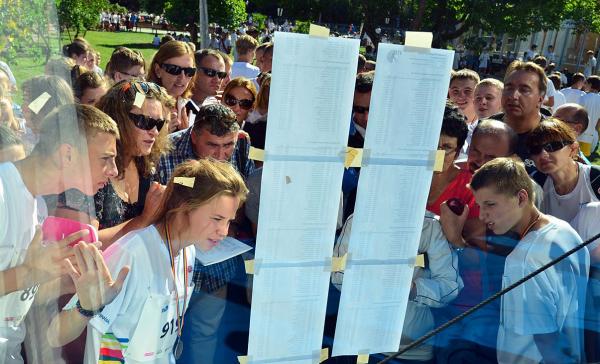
(437, 330)
(180, 318)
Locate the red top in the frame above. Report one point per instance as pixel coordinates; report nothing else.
(458, 189)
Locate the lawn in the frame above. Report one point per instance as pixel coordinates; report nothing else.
(104, 42)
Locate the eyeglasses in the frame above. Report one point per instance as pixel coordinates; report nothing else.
(548, 147)
(212, 73)
(176, 70)
(140, 76)
(245, 104)
(359, 109)
(145, 122)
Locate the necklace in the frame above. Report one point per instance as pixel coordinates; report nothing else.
(526, 230)
(180, 319)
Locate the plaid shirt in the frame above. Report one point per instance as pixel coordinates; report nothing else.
(215, 276)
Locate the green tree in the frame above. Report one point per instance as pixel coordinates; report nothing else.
(28, 28)
(80, 15)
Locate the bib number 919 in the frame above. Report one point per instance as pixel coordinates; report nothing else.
(169, 327)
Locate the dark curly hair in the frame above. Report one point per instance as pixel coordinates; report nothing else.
(217, 119)
(454, 124)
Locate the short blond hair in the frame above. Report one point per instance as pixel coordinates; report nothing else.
(245, 44)
(72, 124)
(507, 176)
(464, 74)
(491, 82)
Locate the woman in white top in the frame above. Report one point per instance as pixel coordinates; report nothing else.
(144, 321)
(553, 147)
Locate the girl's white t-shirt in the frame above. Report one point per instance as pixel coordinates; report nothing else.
(109, 333)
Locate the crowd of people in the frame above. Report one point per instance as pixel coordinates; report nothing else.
(151, 159)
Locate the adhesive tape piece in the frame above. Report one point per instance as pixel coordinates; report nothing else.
(318, 31)
(353, 157)
(257, 154)
(139, 99)
(242, 359)
(249, 265)
(324, 355)
(185, 181)
(338, 264)
(438, 165)
(418, 39)
(420, 261)
(362, 359)
(36, 105)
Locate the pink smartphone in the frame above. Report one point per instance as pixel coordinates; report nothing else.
(57, 228)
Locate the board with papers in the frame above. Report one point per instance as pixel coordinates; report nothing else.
(407, 106)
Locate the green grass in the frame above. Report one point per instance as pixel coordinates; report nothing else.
(106, 42)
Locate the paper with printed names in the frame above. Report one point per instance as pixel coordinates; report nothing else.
(407, 106)
(226, 249)
(309, 111)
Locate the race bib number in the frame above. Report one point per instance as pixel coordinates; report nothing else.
(14, 306)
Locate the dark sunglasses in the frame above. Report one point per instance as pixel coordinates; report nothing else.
(175, 70)
(145, 122)
(212, 73)
(245, 104)
(359, 109)
(548, 147)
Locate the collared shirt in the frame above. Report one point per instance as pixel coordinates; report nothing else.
(206, 278)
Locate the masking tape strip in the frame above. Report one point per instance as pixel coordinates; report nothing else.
(249, 266)
(317, 357)
(338, 264)
(420, 261)
(438, 164)
(256, 154)
(318, 31)
(36, 105)
(353, 157)
(323, 355)
(362, 359)
(185, 181)
(418, 39)
(139, 99)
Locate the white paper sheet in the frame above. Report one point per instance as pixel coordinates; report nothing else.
(227, 248)
(309, 109)
(407, 105)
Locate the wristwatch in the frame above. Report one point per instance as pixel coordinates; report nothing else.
(87, 313)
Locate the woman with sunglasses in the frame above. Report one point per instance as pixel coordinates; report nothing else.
(554, 149)
(143, 321)
(239, 95)
(173, 67)
(128, 201)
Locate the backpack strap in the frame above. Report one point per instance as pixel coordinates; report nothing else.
(595, 180)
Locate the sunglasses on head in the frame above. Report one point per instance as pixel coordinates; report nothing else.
(145, 122)
(548, 147)
(212, 73)
(359, 109)
(176, 70)
(245, 104)
(140, 86)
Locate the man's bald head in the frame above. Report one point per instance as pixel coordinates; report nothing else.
(575, 115)
(491, 139)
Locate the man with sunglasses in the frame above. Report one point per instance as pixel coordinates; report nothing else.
(211, 72)
(356, 139)
(213, 135)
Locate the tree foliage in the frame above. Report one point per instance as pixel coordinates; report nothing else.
(227, 13)
(28, 29)
(80, 15)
